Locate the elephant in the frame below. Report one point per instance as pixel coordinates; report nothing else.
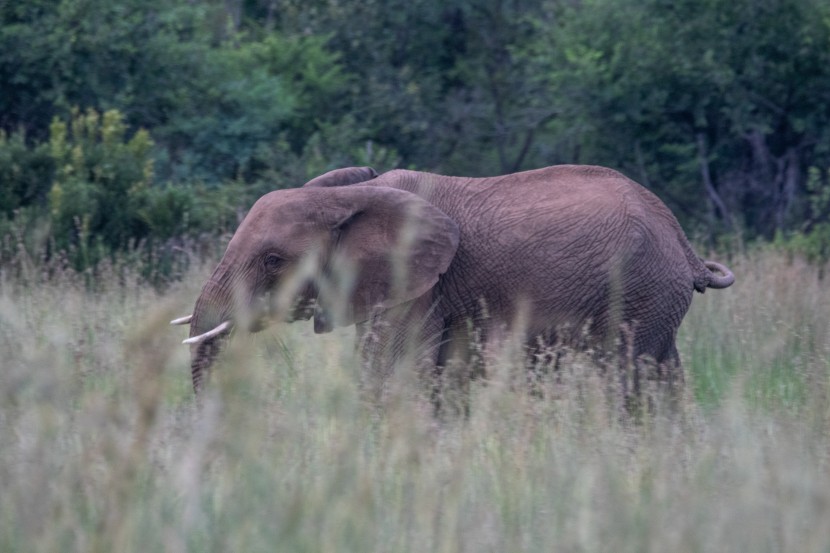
(566, 254)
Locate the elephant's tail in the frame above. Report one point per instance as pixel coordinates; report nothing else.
(717, 276)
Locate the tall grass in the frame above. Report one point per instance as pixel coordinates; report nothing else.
(102, 447)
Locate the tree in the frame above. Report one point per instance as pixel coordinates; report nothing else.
(726, 102)
(135, 55)
(444, 84)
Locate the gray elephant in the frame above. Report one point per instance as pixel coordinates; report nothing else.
(566, 255)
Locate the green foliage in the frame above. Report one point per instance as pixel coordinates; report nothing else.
(172, 211)
(324, 150)
(444, 84)
(211, 97)
(25, 173)
(818, 188)
(249, 96)
(813, 239)
(134, 55)
(103, 197)
(813, 244)
(100, 179)
(719, 106)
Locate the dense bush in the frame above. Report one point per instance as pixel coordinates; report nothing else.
(100, 179)
(25, 173)
(812, 240)
(92, 185)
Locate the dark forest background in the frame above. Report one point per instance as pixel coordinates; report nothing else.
(132, 122)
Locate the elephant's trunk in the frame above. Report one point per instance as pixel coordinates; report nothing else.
(201, 358)
(210, 327)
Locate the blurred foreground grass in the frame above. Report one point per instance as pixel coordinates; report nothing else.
(103, 449)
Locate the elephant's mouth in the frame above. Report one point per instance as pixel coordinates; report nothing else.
(270, 311)
(262, 314)
(303, 311)
(223, 329)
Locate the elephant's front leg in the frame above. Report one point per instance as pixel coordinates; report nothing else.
(399, 349)
(462, 358)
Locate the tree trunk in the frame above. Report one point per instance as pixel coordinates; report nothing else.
(787, 180)
(776, 178)
(715, 200)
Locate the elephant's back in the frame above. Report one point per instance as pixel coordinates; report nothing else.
(551, 205)
(561, 235)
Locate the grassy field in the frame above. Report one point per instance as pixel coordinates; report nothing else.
(103, 449)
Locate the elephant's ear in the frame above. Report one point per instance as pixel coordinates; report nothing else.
(342, 177)
(390, 244)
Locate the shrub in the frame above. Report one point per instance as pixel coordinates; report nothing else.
(100, 178)
(25, 173)
(813, 239)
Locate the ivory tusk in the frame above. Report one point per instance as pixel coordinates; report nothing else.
(209, 334)
(181, 320)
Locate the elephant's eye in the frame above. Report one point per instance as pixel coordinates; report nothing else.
(271, 262)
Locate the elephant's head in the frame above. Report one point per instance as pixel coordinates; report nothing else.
(327, 251)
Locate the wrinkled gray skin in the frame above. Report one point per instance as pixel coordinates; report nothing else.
(560, 250)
